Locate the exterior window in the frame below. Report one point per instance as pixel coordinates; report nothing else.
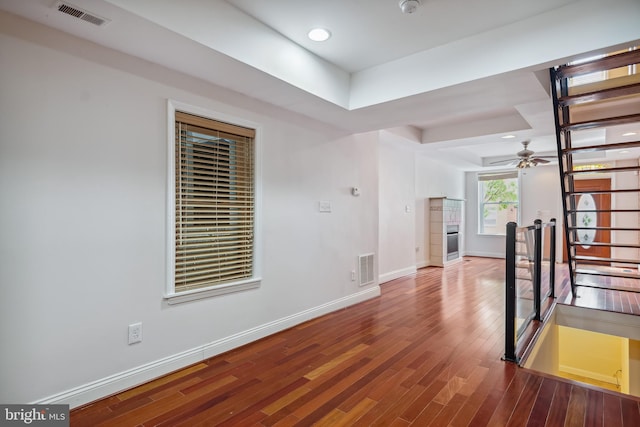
(497, 202)
(214, 207)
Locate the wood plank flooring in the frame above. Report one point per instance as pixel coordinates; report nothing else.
(426, 353)
(600, 298)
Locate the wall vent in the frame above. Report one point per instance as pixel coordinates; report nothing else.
(365, 263)
(79, 13)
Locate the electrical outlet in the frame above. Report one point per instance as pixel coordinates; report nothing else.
(353, 275)
(135, 333)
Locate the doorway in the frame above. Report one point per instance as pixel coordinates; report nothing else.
(600, 199)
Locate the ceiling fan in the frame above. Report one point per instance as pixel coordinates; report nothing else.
(526, 158)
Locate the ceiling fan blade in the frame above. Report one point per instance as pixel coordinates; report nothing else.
(503, 161)
(539, 160)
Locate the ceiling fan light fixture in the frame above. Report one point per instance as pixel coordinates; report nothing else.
(526, 163)
(409, 6)
(525, 158)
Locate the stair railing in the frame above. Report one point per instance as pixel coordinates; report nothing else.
(608, 105)
(525, 253)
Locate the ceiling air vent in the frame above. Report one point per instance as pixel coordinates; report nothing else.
(76, 12)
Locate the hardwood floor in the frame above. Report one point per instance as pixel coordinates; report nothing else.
(601, 298)
(426, 353)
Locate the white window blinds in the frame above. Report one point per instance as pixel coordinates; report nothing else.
(214, 202)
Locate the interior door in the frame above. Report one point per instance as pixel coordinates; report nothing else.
(600, 219)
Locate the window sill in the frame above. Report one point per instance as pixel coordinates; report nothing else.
(196, 294)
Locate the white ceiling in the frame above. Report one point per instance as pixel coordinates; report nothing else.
(372, 32)
(454, 76)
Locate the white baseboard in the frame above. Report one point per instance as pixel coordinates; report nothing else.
(485, 254)
(387, 277)
(588, 374)
(116, 383)
(250, 335)
(422, 264)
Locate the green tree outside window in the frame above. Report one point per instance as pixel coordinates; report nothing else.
(504, 192)
(498, 202)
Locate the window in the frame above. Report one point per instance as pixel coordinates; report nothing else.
(212, 229)
(497, 202)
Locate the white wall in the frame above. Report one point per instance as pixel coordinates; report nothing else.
(629, 201)
(397, 208)
(407, 178)
(540, 197)
(434, 179)
(82, 253)
(634, 367)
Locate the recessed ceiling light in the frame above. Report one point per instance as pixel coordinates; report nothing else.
(319, 34)
(624, 152)
(628, 134)
(508, 137)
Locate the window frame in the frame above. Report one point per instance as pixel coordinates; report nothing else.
(481, 204)
(171, 295)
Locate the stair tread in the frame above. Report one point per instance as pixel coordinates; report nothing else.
(616, 288)
(612, 245)
(609, 121)
(604, 228)
(606, 63)
(603, 210)
(592, 272)
(600, 95)
(619, 190)
(617, 260)
(604, 170)
(602, 147)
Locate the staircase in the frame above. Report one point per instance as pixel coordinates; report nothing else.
(601, 198)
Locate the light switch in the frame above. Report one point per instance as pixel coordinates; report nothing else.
(324, 206)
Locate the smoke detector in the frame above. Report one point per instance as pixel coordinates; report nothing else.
(409, 6)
